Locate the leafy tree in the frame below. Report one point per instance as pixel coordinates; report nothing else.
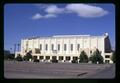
(8, 55)
(113, 56)
(96, 57)
(83, 57)
(28, 56)
(19, 58)
(25, 58)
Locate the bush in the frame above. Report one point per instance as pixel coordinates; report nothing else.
(27, 56)
(83, 57)
(96, 57)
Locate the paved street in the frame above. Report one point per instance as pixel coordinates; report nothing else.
(29, 70)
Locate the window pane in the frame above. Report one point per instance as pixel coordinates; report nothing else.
(75, 58)
(46, 47)
(58, 46)
(60, 57)
(34, 57)
(37, 51)
(54, 58)
(67, 57)
(47, 57)
(78, 47)
(41, 57)
(107, 56)
(71, 47)
(65, 47)
(52, 47)
(90, 51)
(40, 46)
(107, 61)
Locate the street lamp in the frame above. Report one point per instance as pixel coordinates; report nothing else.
(14, 48)
(10, 50)
(18, 46)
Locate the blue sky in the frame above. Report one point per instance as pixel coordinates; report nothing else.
(28, 20)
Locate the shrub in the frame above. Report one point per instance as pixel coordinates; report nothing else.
(27, 56)
(96, 57)
(83, 57)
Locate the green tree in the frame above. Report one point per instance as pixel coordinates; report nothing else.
(19, 58)
(25, 58)
(96, 57)
(113, 56)
(28, 56)
(83, 57)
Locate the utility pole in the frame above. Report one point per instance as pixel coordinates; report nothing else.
(18, 47)
(14, 48)
(10, 50)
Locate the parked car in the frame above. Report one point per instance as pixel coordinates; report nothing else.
(74, 61)
(54, 61)
(36, 60)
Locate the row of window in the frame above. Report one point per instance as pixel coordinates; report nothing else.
(37, 51)
(107, 56)
(60, 58)
(58, 47)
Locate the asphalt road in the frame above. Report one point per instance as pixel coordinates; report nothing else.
(31, 70)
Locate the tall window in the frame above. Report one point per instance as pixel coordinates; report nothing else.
(78, 47)
(90, 51)
(26, 44)
(107, 61)
(71, 47)
(52, 46)
(46, 47)
(58, 46)
(60, 57)
(40, 46)
(65, 47)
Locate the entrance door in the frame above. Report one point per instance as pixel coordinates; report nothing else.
(54, 58)
(75, 60)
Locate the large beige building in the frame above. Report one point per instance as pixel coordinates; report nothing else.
(65, 48)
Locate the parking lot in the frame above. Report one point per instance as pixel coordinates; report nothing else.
(31, 70)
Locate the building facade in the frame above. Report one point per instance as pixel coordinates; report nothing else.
(65, 48)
